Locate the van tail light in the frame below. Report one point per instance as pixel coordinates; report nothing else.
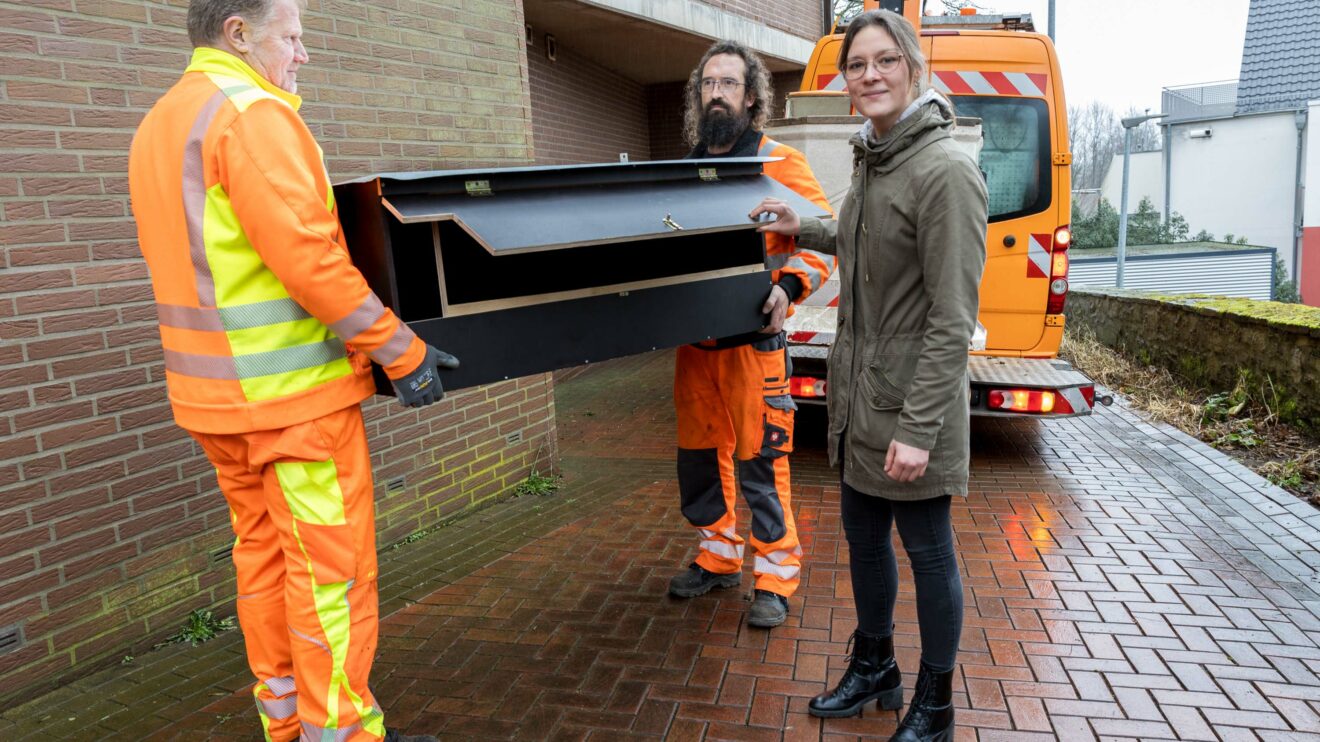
(1059, 270)
(806, 386)
(1027, 400)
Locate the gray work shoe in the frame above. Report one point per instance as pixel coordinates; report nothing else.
(393, 735)
(768, 610)
(696, 580)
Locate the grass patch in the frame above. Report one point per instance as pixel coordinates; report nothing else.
(1242, 422)
(200, 626)
(537, 485)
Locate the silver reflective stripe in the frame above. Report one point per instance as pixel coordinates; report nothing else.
(189, 318)
(281, 686)
(814, 276)
(311, 639)
(194, 198)
(312, 732)
(767, 146)
(289, 359)
(775, 261)
(359, 320)
(261, 314)
(779, 556)
(279, 708)
(395, 346)
(720, 548)
(200, 366)
(765, 566)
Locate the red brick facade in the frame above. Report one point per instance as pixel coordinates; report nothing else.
(111, 525)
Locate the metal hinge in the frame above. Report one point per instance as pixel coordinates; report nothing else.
(477, 187)
(1062, 158)
(708, 174)
(668, 221)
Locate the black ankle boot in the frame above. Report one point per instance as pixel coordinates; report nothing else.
(871, 674)
(930, 717)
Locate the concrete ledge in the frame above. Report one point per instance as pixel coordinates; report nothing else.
(1213, 340)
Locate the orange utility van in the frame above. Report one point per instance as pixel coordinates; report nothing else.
(997, 70)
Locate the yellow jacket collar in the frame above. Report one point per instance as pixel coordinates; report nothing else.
(210, 59)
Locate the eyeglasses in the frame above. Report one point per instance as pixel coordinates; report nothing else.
(710, 84)
(884, 64)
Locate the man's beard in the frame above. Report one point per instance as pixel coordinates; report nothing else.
(720, 127)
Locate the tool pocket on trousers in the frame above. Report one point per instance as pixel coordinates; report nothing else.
(329, 550)
(778, 437)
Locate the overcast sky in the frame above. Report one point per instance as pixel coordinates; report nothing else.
(1124, 52)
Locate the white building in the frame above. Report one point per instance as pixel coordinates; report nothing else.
(1237, 155)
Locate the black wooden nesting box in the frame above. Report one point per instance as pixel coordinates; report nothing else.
(524, 270)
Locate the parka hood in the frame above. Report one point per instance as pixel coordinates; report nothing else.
(931, 112)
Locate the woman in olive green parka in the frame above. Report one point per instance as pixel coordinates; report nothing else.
(910, 238)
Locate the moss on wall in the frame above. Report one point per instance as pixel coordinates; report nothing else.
(1215, 341)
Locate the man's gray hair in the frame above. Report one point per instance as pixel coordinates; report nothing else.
(758, 84)
(206, 18)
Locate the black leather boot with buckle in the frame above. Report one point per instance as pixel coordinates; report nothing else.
(872, 674)
(930, 717)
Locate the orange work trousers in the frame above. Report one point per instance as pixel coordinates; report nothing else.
(300, 500)
(735, 412)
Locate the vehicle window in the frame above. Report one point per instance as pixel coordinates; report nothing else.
(1015, 152)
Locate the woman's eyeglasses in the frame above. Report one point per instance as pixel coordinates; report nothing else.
(884, 64)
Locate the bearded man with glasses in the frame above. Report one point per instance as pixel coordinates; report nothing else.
(731, 394)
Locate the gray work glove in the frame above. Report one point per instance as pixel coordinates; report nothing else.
(422, 386)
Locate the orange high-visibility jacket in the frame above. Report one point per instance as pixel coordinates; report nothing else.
(782, 253)
(264, 320)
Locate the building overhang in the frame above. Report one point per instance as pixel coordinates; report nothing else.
(655, 41)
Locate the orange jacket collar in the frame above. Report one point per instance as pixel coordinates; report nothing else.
(210, 59)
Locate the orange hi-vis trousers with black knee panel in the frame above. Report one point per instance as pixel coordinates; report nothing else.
(300, 499)
(734, 411)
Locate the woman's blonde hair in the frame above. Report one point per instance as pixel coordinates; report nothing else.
(904, 35)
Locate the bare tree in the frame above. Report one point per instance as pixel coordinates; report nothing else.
(1096, 136)
(1145, 138)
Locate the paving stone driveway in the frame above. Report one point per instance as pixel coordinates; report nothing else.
(1122, 581)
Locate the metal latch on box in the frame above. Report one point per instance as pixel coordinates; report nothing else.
(669, 222)
(477, 187)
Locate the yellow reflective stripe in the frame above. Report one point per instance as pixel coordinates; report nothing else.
(240, 275)
(258, 388)
(241, 93)
(276, 337)
(332, 609)
(311, 488)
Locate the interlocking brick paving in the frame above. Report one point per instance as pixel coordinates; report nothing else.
(1123, 581)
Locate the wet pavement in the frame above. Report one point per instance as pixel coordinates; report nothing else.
(1122, 581)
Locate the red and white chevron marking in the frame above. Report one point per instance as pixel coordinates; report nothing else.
(950, 82)
(1038, 256)
(1029, 84)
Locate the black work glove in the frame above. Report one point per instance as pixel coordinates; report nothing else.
(422, 386)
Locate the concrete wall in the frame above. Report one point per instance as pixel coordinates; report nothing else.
(109, 514)
(1211, 343)
(1145, 179)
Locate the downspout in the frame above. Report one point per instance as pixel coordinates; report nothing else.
(1299, 194)
(1168, 170)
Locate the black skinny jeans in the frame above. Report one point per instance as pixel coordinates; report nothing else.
(927, 533)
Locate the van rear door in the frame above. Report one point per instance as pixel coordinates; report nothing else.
(1004, 79)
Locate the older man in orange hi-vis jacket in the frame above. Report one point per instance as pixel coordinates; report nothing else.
(731, 395)
(269, 333)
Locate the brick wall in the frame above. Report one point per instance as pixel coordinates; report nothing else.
(584, 112)
(798, 17)
(108, 512)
